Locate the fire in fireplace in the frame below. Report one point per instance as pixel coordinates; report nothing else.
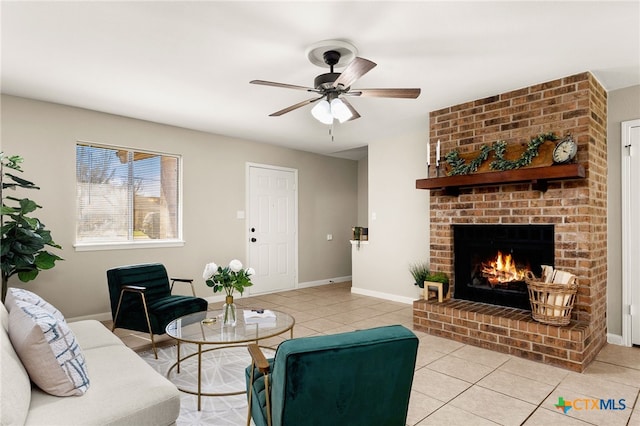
(491, 261)
(502, 270)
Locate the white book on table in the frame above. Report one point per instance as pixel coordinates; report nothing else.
(259, 316)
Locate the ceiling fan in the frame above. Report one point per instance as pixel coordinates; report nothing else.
(333, 88)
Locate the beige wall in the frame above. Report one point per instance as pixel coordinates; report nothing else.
(363, 192)
(624, 105)
(45, 135)
(399, 233)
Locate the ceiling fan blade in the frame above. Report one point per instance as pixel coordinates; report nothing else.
(356, 69)
(385, 93)
(354, 113)
(296, 106)
(286, 86)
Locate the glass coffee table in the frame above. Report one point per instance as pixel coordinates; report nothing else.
(205, 329)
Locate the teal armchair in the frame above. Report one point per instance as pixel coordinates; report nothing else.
(141, 299)
(358, 378)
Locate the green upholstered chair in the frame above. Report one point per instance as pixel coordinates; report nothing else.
(141, 299)
(358, 378)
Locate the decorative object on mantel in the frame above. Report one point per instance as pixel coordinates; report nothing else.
(437, 158)
(552, 296)
(458, 164)
(538, 176)
(565, 151)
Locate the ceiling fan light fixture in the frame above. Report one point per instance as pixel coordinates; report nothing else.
(328, 87)
(322, 112)
(340, 111)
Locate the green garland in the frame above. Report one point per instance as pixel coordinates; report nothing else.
(460, 167)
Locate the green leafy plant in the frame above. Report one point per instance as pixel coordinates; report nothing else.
(438, 277)
(419, 272)
(24, 238)
(460, 167)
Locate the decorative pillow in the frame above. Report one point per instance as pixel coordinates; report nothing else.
(14, 294)
(48, 350)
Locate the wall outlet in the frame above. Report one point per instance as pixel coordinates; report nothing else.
(329, 237)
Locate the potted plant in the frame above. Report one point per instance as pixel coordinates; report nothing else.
(24, 238)
(419, 272)
(228, 279)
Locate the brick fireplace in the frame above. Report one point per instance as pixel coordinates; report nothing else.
(575, 207)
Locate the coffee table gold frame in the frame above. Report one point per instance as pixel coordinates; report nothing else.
(204, 328)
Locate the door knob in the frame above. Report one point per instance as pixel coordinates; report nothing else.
(253, 240)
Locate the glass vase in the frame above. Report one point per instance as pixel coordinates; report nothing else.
(229, 312)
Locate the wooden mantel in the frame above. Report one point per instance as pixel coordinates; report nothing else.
(539, 176)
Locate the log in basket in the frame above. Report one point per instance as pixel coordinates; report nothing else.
(552, 296)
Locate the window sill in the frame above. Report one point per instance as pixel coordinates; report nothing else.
(128, 245)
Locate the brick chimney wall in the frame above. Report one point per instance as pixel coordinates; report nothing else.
(575, 105)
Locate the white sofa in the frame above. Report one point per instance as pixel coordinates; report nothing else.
(124, 390)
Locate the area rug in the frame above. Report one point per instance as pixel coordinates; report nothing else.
(222, 371)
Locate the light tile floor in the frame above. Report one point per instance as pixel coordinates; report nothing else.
(458, 384)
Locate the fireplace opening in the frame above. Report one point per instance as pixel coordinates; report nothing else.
(490, 261)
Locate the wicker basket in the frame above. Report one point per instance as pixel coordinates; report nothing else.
(551, 303)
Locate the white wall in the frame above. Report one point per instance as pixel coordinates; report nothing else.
(45, 135)
(363, 192)
(399, 233)
(623, 105)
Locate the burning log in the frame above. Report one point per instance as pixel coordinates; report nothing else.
(502, 270)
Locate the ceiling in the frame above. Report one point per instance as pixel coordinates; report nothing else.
(189, 64)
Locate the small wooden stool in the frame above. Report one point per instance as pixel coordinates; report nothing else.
(436, 288)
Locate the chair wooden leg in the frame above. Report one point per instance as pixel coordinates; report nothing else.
(253, 367)
(268, 398)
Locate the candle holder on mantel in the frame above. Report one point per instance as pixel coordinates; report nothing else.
(437, 167)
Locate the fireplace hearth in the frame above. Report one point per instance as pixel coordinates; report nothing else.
(490, 261)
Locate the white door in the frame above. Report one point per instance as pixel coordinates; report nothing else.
(631, 225)
(272, 227)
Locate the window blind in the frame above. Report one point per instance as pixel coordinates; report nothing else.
(126, 195)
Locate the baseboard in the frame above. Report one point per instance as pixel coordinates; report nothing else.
(306, 284)
(615, 339)
(221, 296)
(105, 316)
(324, 282)
(385, 296)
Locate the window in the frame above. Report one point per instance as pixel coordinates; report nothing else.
(126, 196)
